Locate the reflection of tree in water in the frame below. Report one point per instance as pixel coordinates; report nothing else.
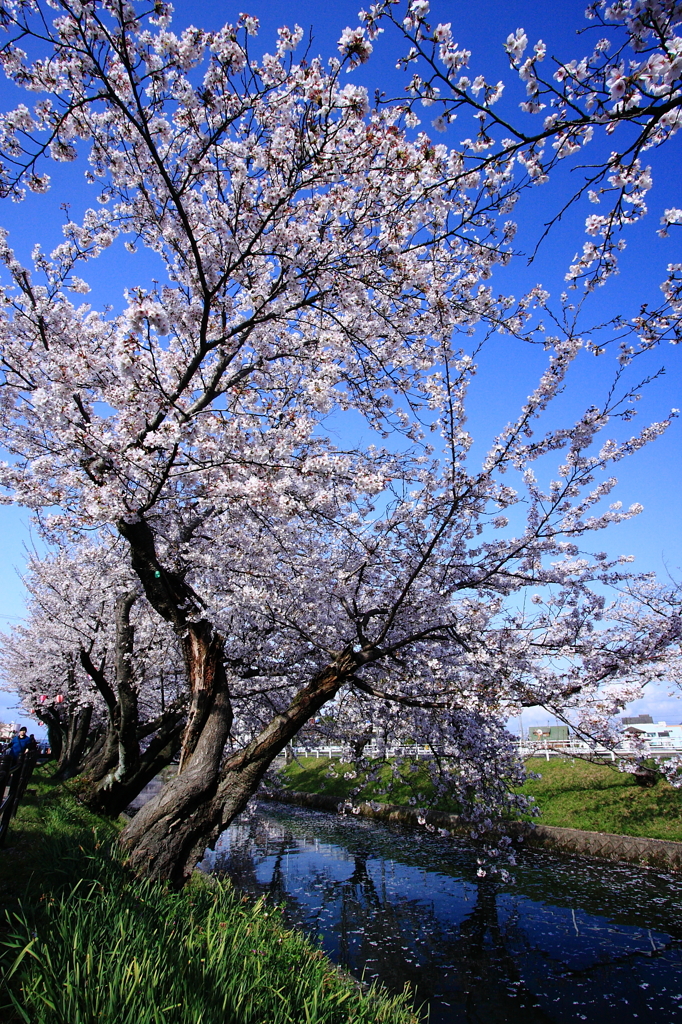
(399, 940)
(407, 941)
(476, 965)
(490, 982)
(622, 893)
(248, 847)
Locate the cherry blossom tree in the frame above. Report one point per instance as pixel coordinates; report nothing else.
(297, 280)
(415, 619)
(649, 613)
(92, 672)
(40, 660)
(320, 259)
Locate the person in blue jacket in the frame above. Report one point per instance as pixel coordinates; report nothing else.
(19, 743)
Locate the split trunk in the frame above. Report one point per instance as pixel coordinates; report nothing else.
(170, 834)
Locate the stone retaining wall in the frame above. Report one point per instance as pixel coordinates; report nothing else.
(652, 853)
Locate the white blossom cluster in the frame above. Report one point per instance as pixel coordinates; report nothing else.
(622, 100)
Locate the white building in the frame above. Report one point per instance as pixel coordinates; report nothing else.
(659, 734)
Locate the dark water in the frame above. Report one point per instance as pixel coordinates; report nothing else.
(570, 941)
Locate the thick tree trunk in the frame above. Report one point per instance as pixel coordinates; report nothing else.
(202, 648)
(182, 798)
(113, 793)
(170, 834)
(74, 743)
(101, 758)
(202, 645)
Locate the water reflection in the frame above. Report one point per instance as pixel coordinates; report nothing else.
(570, 941)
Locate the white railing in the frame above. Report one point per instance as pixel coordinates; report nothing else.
(578, 748)
(369, 751)
(532, 748)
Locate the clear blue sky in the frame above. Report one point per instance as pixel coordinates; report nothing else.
(653, 477)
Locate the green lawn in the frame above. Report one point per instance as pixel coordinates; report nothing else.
(570, 794)
(328, 776)
(47, 814)
(596, 798)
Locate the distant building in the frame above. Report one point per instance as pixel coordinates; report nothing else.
(638, 720)
(658, 734)
(548, 734)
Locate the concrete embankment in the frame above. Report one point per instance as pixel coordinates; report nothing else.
(653, 853)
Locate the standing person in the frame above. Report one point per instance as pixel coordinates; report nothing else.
(19, 743)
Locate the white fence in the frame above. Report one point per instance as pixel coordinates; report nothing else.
(578, 748)
(370, 751)
(533, 748)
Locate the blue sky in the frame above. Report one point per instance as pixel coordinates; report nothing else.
(653, 476)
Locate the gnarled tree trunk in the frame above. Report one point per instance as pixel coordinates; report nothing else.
(74, 741)
(169, 835)
(120, 771)
(155, 837)
(210, 712)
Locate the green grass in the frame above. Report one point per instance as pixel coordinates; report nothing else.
(47, 814)
(85, 942)
(325, 775)
(581, 795)
(596, 798)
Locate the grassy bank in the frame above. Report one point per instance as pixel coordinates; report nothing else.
(86, 942)
(335, 778)
(569, 794)
(48, 815)
(596, 798)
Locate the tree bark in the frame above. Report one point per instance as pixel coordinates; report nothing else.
(202, 645)
(74, 742)
(169, 835)
(182, 800)
(113, 793)
(101, 758)
(120, 771)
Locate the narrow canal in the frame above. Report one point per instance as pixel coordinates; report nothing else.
(569, 941)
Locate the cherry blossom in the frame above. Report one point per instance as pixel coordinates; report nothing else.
(322, 261)
(98, 697)
(626, 95)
